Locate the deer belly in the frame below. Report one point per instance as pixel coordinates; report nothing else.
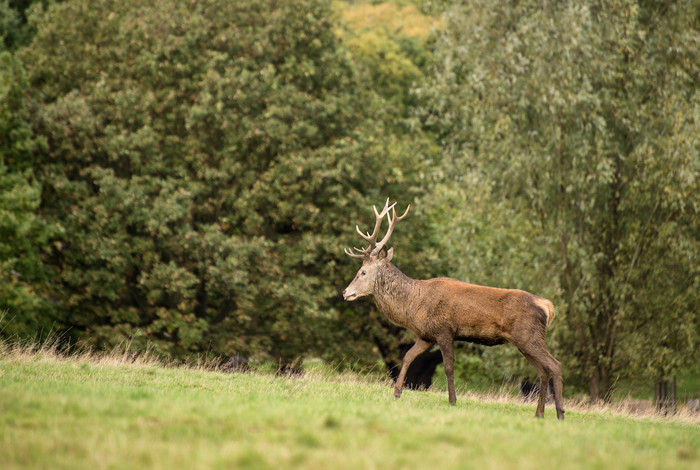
(485, 340)
(488, 336)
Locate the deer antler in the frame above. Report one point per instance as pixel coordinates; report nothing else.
(374, 248)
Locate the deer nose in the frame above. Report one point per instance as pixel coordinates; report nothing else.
(349, 296)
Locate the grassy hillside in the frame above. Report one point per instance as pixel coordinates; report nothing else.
(114, 412)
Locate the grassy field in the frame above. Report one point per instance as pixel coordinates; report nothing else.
(114, 412)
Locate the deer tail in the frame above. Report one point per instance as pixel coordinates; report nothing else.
(547, 307)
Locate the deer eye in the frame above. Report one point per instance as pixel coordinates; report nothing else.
(363, 272)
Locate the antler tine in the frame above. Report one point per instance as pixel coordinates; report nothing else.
(404, 214)
(349, 252)
(373, 247)
(385, 211)
(392, 223)
(372, 239)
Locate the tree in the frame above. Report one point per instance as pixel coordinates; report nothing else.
(207, 161)
(389, 46)
(388, 43)
(14, 30)
(24, 309)
(570, 131)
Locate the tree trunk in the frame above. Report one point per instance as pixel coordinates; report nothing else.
(665, 394)
(600, 384)
(594, 387)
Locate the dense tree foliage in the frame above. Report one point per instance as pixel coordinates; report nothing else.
(206, 163)
(23, 233)
(15, 31)
(183, 176)
(571, 135)
(388, 43)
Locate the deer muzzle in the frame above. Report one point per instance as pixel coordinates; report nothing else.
(349, 296)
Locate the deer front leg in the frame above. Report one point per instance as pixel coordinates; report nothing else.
(416, 350)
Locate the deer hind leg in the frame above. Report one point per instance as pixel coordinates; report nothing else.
(416, 350)
(544, 382)
(446, 345)
(554, 368)
(546, 366)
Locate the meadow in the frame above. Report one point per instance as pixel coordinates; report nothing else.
(124, 411)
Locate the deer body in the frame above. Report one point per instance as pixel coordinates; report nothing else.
(442, 310)
(479, 314)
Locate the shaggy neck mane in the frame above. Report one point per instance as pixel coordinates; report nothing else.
(394, 293)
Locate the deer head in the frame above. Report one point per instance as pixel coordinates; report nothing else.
(375, 256)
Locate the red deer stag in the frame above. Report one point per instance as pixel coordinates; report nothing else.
(444, 310)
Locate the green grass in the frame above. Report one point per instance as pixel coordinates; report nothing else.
(91, 412)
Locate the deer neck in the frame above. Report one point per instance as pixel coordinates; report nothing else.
(395, 293)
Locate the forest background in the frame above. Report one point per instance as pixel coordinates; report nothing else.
(182, 176)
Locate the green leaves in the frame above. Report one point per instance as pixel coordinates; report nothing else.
(573, 152)
(207, 162)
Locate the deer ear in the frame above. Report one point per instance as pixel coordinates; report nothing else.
(389, 254)
(385, 254)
